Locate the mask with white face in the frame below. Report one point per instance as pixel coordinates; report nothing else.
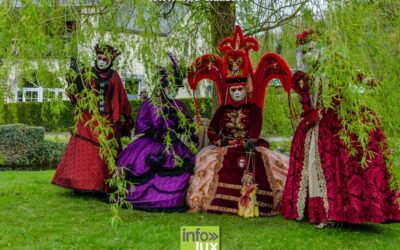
(307, 55)
(103, 61)
(300, 63)
(237, 93)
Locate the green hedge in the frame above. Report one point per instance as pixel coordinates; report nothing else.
(23, 146)
(58, 116)
(15, 135)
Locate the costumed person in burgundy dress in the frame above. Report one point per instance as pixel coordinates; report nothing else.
(81, 167)
(160, 173)
(325, 183)
(238, 174)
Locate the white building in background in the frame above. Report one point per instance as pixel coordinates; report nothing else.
(29, 89)
(24, 89)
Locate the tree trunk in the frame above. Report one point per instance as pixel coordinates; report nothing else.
(223, 16)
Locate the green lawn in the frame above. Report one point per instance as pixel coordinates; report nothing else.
(37, 215)
(57, 137)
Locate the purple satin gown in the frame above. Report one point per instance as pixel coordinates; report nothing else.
(159, 184)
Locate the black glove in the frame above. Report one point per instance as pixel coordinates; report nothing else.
(251, 145)
(224, 142)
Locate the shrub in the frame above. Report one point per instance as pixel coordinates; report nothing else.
(23, 146)
(19, 135)
(276, 115)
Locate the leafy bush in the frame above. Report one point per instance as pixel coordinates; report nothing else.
(24, 146)
(276, 115)
(15, 135)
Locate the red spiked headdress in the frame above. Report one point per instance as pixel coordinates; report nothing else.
(236, 69)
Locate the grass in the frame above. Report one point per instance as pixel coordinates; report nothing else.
(284, 145)
(37, 215)
(57, 137)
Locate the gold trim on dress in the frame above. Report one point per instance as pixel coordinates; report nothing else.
(226, 197)
(239, 187)
(214, 183)
(274, 184)
(223, 209)
(266, 193)
(321, 176)
(302, 194)
(231, 186)
(304, 182)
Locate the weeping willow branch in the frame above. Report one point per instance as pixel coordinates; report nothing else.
(263, 27)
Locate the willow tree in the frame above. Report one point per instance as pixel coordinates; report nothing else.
(45, 34)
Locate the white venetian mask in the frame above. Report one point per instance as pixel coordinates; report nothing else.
(237, 93)
(307, 55)
(103, 61)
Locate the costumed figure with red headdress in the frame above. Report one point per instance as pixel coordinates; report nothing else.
(325, 182)
(221, 183)
(160, 173)
(81, 167)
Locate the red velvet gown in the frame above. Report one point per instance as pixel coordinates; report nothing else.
(81, 167)
(324, 182)
(215, 186)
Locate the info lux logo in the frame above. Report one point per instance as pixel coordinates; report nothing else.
(200, 238)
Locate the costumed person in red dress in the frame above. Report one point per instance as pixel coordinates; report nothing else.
(81, 167)
(325, 183)
(222, 170)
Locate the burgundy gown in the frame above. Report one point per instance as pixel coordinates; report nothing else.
(324, 182)
(215, 187)
(81, 167)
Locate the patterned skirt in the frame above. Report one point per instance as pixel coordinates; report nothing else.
(215, 187)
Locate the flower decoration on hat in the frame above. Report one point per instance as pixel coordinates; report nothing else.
(306, 37)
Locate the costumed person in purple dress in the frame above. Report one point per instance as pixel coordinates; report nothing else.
(325, 183)
(81, 167)
(238, 174)
(160, 173)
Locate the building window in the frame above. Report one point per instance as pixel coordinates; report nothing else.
(52, 94)
(39, 94)
(48, 95)
(20, 96)
(132, 86)
(31, 95)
